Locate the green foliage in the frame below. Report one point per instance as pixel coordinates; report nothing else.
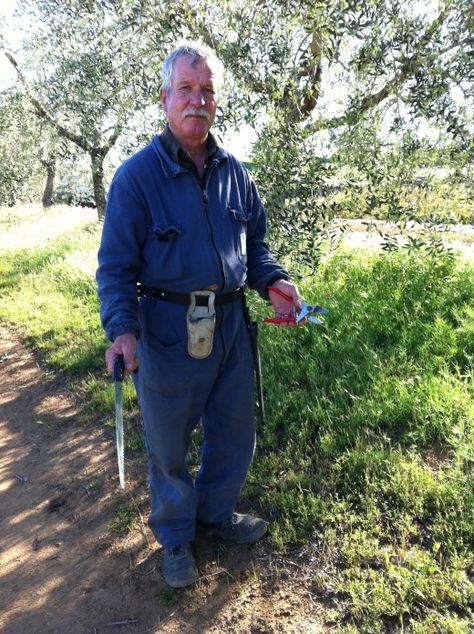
(27, 145)
(402, 178)
(365, 460)
(20, 176)
(386, 70)
(125, 518)
(69, 338)
(85, 63)
(90, 67)
(59, 306)
(293, 185)
(368, 444)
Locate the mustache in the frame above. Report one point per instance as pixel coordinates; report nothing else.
(196, 112)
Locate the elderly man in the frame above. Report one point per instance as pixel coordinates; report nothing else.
(184, 224)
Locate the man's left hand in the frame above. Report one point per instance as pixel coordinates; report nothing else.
(284, 308)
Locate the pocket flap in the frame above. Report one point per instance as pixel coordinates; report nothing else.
(239, 213)
(164, 233)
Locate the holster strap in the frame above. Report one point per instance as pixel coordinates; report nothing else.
(185, 298)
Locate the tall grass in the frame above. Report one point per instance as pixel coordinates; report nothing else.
(365, 460)
(367, 451)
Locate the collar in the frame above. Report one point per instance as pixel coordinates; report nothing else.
(176, 152)
(170, 168)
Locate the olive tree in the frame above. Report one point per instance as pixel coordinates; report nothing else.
(20, 176)
(306, 73)
(86, 70)
(302, 74)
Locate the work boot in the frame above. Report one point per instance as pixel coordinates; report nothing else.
(179, 566)
(240, 529)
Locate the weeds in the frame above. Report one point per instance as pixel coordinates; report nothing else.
(369, 439)
(125, 518)
(168, 596)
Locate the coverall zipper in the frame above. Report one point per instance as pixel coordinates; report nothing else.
(203, 190)
(211, 231)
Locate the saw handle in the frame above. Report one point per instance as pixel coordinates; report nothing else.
(119, 368)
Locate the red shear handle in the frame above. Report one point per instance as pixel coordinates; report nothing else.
(287, 320)
(280, 293)
(279, 322)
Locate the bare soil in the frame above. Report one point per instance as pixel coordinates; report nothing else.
(64, 571)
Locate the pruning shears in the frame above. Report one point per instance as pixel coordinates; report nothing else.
(307, 311)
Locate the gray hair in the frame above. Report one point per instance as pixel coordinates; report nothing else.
(198, 53)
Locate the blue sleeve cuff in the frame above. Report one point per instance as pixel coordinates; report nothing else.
(122, 328)
(283, 275)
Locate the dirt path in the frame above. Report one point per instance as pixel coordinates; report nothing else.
(62, 570)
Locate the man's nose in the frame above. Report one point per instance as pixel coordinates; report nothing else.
(197, 98)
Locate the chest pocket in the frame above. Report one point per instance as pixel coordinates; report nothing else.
(239, 217)
(168, 248)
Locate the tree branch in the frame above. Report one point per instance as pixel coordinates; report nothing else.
(41, 111)
(314, 72)
(110, 142)
(407, 70)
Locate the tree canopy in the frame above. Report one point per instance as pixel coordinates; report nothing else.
(302, 73)
(86, 72)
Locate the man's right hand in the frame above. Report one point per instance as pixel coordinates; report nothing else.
(125, 344)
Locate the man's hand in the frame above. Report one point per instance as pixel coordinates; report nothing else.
(284, 307)
(125, 344)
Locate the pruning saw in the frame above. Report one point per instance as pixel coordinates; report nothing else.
(118, 377)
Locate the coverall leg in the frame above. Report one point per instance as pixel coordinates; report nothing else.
(175, 392)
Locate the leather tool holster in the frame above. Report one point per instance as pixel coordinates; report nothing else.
(201, 324)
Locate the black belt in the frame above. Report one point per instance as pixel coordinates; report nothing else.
(185, 298)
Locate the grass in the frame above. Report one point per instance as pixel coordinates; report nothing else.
(368, 447)
(365, 461)
(126, 517)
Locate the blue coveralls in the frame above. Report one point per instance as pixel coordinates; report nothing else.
(165, 229)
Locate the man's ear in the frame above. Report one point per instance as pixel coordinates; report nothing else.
(163, 97)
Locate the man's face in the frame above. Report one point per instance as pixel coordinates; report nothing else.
(191, 102)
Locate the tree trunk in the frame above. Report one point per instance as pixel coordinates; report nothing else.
(97, 166)
(50, 166)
